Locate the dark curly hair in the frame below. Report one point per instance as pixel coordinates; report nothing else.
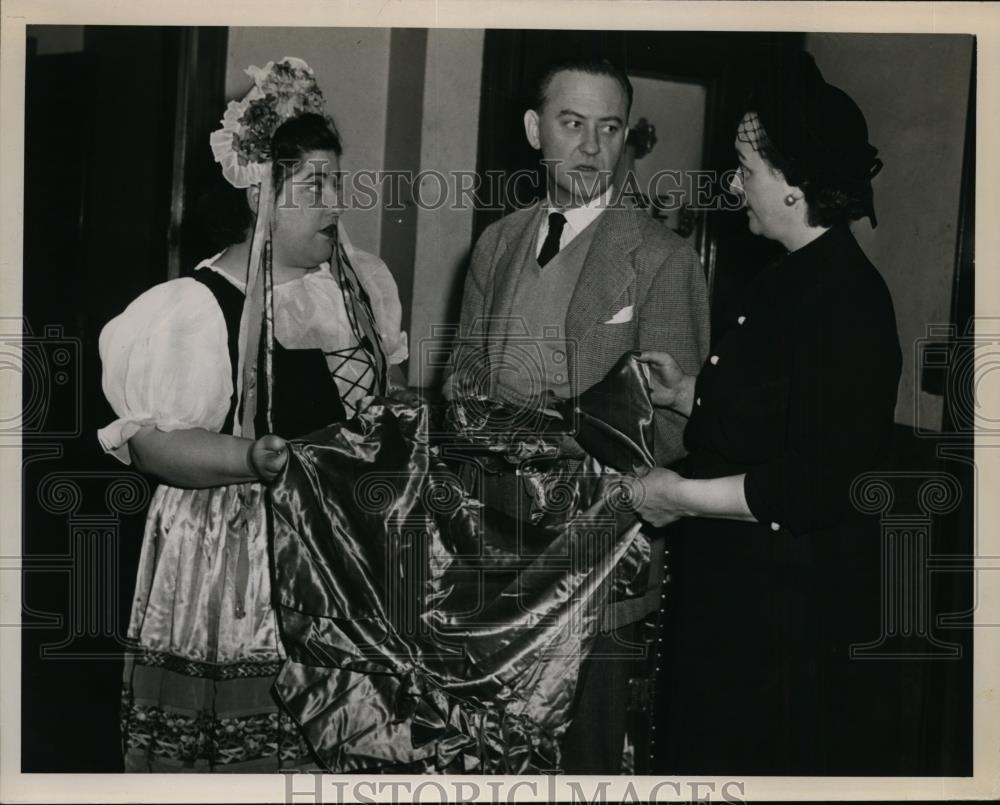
(297, 137)
(222, 209)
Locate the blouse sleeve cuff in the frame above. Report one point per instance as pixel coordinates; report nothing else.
(114, 438)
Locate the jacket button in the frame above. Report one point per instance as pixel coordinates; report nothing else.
(713, 360)
(741, 319)
(775, 527)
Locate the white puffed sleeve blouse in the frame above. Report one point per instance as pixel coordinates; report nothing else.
(165, 362)
(165, 358)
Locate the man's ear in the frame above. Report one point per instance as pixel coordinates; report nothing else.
(253, 198)
(531, 129)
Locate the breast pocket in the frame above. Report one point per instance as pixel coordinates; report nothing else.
(622, 316)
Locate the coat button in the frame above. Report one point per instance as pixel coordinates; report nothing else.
(775, 527)
(741, 319)
(713, 360)
(698, 402)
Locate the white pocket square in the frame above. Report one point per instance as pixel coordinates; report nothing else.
(622, 316)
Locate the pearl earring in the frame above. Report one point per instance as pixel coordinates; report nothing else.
(789, 200)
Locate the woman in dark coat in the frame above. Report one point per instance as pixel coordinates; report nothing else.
(775, 575)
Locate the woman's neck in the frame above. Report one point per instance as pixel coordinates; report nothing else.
(802, 236)
(235, 259)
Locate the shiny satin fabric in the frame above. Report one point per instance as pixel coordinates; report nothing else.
(190, 600)
(426, 631)
(614, 418)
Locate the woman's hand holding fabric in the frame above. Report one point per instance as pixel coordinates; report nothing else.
(399, 391)
(406, 396)
(267, 457)
(662, 496)
(670, 387)
(654, 496)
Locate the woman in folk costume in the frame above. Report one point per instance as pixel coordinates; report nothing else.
(285, 331)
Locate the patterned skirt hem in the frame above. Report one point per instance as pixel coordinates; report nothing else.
(220, 718)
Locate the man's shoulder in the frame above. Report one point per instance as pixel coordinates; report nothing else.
(654, 236)
(497, 235)
(512, 221)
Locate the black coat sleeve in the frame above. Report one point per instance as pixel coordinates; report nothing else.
(844, 373)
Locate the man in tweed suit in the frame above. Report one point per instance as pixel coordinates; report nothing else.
(583, 277)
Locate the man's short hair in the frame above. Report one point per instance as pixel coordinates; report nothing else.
(589, 65)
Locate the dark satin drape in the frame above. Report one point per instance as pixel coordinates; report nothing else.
(426, 631)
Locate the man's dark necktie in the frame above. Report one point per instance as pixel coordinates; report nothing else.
(550, 248)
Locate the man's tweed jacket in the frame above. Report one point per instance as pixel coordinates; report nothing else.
(641, 287)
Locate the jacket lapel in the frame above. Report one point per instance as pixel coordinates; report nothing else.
(515, 245)
(607, 270)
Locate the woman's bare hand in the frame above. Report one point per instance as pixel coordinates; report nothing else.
(670, 387)
(406, 396)
(267, 457)
(654, 496)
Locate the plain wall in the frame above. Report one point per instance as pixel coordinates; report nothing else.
(449, 143)
(403, 138)
(914, 92)
(352, 68)
(677, 111)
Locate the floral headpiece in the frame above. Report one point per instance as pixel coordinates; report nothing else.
(281, 91)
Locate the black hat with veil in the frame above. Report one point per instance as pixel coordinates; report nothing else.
(814, 133)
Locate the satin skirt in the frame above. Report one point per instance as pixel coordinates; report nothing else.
(197, 693)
